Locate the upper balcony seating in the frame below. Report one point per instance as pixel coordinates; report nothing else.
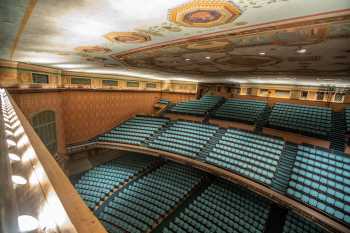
(197, 107)
(347, 118)
(185, 138)
(138, 207)
(296, 224)
(134, 131)
(222, 207)
(241, 110)
(254, 156)
(321, 179)
(311, 120)
(95, 184)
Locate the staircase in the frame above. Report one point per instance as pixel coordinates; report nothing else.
(157, 133)
(165, 110)
(337, 134)
(276, 219)
(211, 144)
(284, 168)
(180, 208)
(212, 111)
(262, 119)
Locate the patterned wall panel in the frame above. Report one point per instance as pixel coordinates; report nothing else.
(84, 114)
(177, 97)
(31, 104)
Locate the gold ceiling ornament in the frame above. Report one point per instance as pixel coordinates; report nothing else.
(92, 49)
(127, 37)
(204, 13)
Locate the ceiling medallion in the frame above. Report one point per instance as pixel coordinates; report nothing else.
(204, 13)
(92, 49)
(127, 37)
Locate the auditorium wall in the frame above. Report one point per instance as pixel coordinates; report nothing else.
(282, 93)
(82, 115)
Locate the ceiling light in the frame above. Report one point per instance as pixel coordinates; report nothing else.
(19, 180)
(207, 57)
(14, 157)
(262, 53)
(187, 59)
(301, 50)
(10, 142)
(27, 223)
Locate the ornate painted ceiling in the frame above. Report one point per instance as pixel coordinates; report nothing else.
(276, 41)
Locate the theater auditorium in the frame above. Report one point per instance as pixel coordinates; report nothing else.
(181, 116)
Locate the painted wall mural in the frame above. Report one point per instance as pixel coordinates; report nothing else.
(184, 39)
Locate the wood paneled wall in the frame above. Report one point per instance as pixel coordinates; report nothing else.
(83, 114)
(33, 103)
(90, 113)
(177, 97)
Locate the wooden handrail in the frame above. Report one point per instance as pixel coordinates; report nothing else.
(60, 203)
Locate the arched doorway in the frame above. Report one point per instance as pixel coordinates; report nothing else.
(44, 124)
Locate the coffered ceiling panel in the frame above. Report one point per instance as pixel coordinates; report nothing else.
(201, 40)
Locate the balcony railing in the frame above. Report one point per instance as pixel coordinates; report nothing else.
(35, 194)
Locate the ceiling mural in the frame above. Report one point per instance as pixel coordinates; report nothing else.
(286, 51)
(204, 13)
(202, 40)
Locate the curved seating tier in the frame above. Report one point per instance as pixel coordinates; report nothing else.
(197, 107)
(296, 224)
(185, 138)
(315, 177)
(222, 207)
(321, 179)
(347, 118)
(135, 131)
(242, 110)
(251, 155)
(95, 184)
(310, 120)
(141, 205)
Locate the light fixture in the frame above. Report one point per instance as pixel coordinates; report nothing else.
(14, 157)
(187, 59)
(301, 50)
(27, 223)
(208, 57)
(10, 142)
(262, 53)
(19, 180)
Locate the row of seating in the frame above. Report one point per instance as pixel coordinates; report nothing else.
(321, 179)
(222, 208)
(197, 107)
(185, 138)
(296, 224)
(253, 156)
(95, 184)
(146, 201)
(241, 110)
(134, 131)
(347, 118)
(307, 119)
(164, 101)
(258, 157)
